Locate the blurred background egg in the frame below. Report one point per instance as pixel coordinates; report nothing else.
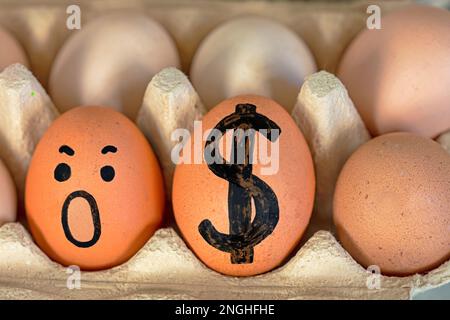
(11, 50)
(392, 204)
(251, 55)
(398, 76)
(8, 196)
(110, 62)
(94, 191)
(265, 207)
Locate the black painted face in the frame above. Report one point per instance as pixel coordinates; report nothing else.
(62, 173)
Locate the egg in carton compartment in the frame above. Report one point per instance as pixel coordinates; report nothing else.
(165, 268)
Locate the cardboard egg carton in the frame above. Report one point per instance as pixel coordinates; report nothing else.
(165, 268)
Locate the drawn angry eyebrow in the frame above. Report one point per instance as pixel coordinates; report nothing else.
(67, 150)
(107, 149)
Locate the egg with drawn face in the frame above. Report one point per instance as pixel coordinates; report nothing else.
(94, 190)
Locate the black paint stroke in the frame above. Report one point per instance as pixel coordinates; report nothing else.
(67, 150)
(95, 219)
(244, 234)
(107, 173)
(109, 148)
(62, 172)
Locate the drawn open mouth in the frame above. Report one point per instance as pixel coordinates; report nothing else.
(95, 218)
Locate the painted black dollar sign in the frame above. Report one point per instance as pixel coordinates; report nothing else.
(244, 234)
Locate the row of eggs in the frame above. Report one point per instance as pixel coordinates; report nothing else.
(396, 76)
(94, 191)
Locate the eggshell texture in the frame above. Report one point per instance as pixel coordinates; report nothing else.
(398, 77)
(8, 196)
(392, 204)
(199, 194)
(251, 55)
(110, 62)
(11, 51)
(100, 211)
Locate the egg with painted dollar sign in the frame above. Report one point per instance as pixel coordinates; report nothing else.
(244, 185)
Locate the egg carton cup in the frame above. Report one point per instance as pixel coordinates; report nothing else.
(165, 268)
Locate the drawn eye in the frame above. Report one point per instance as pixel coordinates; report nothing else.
(62, 172)
(107, 173)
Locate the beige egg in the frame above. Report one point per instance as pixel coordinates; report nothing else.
(392, 204)
(398, 76)
(8, 197)
(110, 62)
(251, 55)
(11, 50)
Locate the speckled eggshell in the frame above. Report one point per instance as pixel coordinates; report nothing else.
(11, 50)
(392, 204)
(130, 206)
(199, 194)
(8, 196)
(398, 76)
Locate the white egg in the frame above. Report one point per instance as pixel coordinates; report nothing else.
(110, 62)
(251, 55)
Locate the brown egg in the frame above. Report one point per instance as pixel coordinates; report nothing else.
(245, 218)
(398, 76)
(11, 50)
(94, 191)
(392, 204)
